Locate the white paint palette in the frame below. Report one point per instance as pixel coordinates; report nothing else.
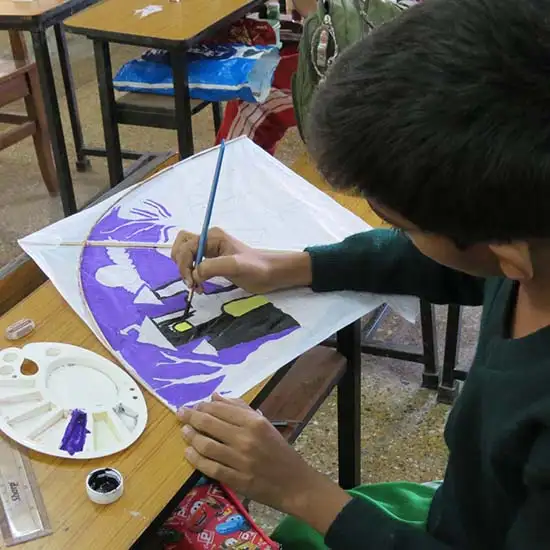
(69, 402)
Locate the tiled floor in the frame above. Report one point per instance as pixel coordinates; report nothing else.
(402, 424)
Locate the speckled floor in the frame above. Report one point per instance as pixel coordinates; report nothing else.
(402, 424)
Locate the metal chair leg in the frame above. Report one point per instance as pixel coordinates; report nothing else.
(430, 376)
(448, 387)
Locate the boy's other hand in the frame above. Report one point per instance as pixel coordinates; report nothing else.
(253, 270)
(232, 443)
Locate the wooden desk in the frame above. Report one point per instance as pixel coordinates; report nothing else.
(304, 167)
(36, 17)
(156, 473)
(176, 28)
(178, 25)
(154, 468)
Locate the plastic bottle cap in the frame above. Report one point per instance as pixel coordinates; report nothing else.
(104, 485)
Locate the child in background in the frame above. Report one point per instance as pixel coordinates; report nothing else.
(448, 139)
(266, 123)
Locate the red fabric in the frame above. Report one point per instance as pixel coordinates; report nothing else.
(211, 517)
(249, 31)
(265, 123)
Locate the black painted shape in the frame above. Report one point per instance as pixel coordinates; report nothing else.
(226, 331)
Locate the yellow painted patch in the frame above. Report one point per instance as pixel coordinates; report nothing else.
(182, 327)
(237, 308)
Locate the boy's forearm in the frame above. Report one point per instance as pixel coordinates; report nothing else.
(289, 269)
(320, 505)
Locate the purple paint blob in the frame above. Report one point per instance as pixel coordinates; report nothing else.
(74, 437)
(120, 312)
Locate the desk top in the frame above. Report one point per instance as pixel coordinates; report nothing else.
(154, 468)
(359, 206)
(30, 15)
(179, 24)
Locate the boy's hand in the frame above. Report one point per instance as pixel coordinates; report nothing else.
(232, 443)
(253, 270)
(226, 257)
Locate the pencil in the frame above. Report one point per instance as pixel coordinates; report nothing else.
(206, 223)
(285, 423)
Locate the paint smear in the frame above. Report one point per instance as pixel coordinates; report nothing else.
(74, 437)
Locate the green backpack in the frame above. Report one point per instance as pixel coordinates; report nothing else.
(331, 29)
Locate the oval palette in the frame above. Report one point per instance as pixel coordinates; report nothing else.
(69, 402)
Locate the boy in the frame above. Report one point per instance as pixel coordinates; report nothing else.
(441, 120)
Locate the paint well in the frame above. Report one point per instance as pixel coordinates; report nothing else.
(74, 438)
(38, 411)
(74, 385)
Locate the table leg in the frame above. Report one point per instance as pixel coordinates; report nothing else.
(183, 103)
(53, 116)
(430, 376)
(82, 163)
(349, 408)
(448, 387)
(108, 111)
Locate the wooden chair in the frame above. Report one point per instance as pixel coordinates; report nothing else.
(17, 280)
(19, 80)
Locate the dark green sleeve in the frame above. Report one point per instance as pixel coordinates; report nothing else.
(362, 525)
(530, 530)
(384, 261)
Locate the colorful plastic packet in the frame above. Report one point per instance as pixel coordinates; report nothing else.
(212, 517)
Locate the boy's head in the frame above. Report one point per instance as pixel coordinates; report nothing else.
(441, 120)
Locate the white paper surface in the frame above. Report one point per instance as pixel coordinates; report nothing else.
(259, 201)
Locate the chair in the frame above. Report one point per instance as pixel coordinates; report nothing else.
(17, 280)
(146, 110)
(19, 80)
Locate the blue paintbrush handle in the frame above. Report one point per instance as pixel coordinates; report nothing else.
(210, 206)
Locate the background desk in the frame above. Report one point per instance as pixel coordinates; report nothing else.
(36, 17)
(176, 28)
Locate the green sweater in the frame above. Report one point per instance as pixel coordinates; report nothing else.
(496, 492)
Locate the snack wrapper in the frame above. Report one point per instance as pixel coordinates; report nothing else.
(211, 517)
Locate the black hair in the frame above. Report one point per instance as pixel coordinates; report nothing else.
(443, 116)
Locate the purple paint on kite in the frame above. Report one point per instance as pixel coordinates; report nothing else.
(74, 437)
(179, 375)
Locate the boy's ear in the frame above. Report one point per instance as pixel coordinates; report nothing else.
(514, 259)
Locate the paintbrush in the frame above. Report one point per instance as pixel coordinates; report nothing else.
(206, 223)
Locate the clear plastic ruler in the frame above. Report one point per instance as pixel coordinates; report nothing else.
(23, 515)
